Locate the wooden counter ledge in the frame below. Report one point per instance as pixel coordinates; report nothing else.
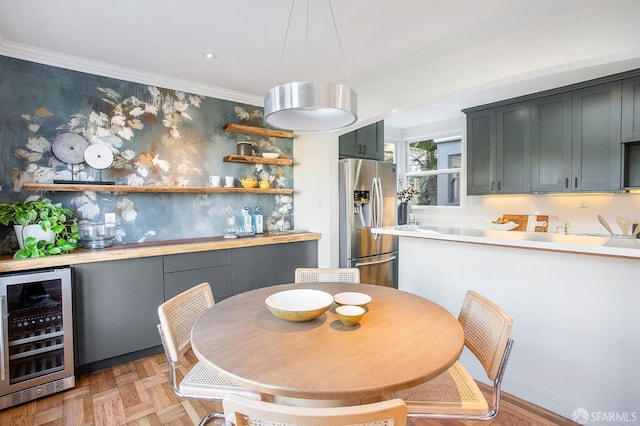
(149, 249)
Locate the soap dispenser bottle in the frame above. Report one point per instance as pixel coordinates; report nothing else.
(258, 221)
(247, 225)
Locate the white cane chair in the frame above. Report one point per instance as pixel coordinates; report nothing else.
(455, 394)
(240, 411)
(339, 275)
(177, 316)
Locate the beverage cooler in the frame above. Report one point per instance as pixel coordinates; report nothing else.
(36, 342)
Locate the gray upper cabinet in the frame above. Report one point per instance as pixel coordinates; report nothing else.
(481, 158)
(631, 109)
(561, 141)
(513, 149)
(551, 143)
(595, 138)
(498, 150)
(366, 142)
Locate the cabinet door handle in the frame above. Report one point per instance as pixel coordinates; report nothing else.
(575, 183)
(499, 185)
(493, 186)
(566, 183)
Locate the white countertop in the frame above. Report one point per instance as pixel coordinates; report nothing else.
(603, 245)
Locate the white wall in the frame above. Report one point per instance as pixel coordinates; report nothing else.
(316, 191)
(575, 319)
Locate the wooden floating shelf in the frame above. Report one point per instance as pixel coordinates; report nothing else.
(261, 131)
(57, 187)
(257, 160)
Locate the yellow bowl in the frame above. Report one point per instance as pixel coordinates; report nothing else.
(299, 305)
(249, 182)
(264, 184)
(350, 315)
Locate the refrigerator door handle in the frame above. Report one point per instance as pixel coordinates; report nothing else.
(377, 206)
(375, 262)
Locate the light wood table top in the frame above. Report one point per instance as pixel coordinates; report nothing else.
(401, 341)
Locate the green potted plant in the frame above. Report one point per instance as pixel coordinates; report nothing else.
(57, 221)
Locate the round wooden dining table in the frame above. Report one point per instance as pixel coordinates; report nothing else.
(401, 341)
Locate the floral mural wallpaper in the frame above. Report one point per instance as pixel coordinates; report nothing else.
(157, 136)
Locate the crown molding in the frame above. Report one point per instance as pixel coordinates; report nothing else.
(75, 63)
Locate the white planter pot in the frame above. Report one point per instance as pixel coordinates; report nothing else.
(23, 232)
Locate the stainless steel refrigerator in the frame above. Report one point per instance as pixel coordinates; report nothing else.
(368, 200)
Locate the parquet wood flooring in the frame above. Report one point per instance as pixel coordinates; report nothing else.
(138, 393)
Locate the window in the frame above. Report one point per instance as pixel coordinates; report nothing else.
(433, 168)
(390, 152)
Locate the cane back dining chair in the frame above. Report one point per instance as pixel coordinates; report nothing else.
(454, 393)
(240, 411)
(340, 275)
(177, 316)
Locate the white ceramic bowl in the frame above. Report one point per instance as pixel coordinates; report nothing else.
(350, 315)
(270, 155)
(352, 298)
(299, 304)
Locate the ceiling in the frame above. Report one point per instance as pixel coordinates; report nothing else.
(411, 61)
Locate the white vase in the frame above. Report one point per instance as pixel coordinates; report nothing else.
(36, 231)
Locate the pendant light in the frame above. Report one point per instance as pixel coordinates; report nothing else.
(310, 105)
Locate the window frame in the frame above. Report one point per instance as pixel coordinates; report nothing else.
(402, 163)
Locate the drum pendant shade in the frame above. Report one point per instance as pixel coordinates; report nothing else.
(310, 106)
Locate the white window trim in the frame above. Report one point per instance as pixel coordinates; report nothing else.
(401, 165)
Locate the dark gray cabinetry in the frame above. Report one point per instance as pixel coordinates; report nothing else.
(261, 266)
(595, 138)
(513, 149)
(365, 142)
(499, 150)
(481, 157)
(567, 141)
(183, 271)
(631, 109)
(551, 143)
(115, 307)
(116, 302)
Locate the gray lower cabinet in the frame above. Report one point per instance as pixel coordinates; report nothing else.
(183, 271)
(115, 307)
(116, 302)
(262, 266)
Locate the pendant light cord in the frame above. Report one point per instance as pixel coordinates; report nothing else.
(306, 42)
(335, 27)
(286, 37)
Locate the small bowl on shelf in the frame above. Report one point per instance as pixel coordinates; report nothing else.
(264, 184)
(270, 154)
(350, 315)
(249, 182)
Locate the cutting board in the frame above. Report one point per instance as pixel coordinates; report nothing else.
(523, 220)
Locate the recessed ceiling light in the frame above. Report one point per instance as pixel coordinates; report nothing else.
(209, 55)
